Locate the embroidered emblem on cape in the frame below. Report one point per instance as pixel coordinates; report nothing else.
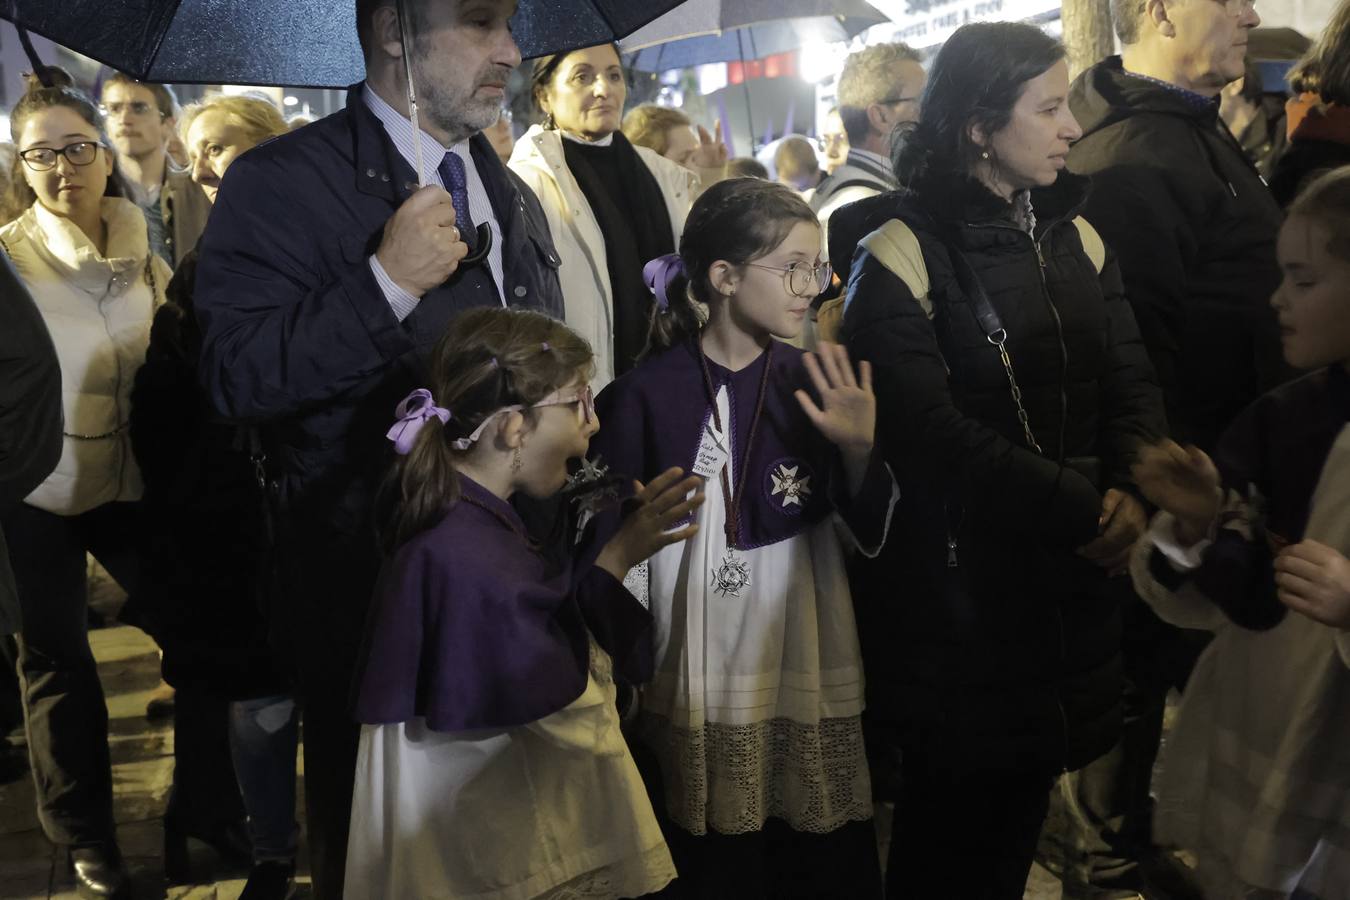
(787, 486)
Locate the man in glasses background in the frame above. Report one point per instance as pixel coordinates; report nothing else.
(141, 119)
(1194, 228)
(879, 89)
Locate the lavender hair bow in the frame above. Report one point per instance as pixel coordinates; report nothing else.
(659, 273)
(413, 412)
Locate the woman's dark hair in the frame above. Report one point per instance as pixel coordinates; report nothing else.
(738, 220)
(545, 66)
(976, 80)
(1325, 68)
(488, 358)
(44, 98)
(1327, 201)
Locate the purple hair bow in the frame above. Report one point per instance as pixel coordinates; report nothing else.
(413, 412)
(659, 273)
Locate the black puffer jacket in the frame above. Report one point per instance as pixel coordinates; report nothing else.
(1195, 228)
(986, 640)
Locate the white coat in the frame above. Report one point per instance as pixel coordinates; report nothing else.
(588, 299)
(98, 310)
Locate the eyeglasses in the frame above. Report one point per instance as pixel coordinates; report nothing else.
(139, 107)
(800, 277)
(895, 101)
(826, 142)
(1238, 7)
(563, 397)
(42, 159)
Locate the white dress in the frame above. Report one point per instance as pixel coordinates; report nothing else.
(552, 809)
(1255, 777)
(754, 710)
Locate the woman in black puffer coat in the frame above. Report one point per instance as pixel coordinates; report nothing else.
(990, 624)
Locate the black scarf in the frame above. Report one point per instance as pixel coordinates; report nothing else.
(631, 211)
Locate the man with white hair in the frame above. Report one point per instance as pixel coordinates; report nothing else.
(1194, 228)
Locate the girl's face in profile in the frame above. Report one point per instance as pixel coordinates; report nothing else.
(563, 427)
(774, 292)
(1313, 300)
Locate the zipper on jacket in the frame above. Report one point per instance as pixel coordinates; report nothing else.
(1063, 349)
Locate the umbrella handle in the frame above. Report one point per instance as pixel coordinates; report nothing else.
(484, 245)
(405, 33)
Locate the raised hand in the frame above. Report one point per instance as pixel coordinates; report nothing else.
(712, 152)
(847, 413)
(666, 499)
(1314, 579)
(1184, 482)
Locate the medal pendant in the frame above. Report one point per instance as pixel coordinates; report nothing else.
(732, 576)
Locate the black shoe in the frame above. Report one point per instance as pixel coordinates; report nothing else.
(100, 873)
(228, 839)
(270, 880)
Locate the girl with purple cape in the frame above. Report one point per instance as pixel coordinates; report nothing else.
(752, 715)
(491, 764)
(1254, 545)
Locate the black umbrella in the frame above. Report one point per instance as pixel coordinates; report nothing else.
(295, 43)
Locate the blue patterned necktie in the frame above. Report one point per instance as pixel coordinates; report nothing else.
(456, 182)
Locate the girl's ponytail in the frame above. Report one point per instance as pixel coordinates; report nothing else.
(675, 318)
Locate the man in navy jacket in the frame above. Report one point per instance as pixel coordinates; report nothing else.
(325, 278)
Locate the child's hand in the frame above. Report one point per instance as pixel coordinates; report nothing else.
(1313, 579)
(665, 500)
(847, 414)
(1182, 481)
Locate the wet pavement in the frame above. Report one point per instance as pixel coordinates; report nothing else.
(142, 756)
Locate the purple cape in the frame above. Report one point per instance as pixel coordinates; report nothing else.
(470, 630)
(653, 418)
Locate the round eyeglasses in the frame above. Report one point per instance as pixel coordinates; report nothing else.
(42, 159)
(1238, 7)
(802, 277)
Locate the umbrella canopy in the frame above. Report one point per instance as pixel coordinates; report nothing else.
(708, 31)
(747, 43)
(295, 43)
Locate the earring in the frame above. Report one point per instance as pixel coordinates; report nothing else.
(549, 124)
(516, 462)
(984, 154)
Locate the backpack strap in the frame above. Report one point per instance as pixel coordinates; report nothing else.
(895, 247)
(1093, 245)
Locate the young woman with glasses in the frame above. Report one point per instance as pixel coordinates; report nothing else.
(752, 719)
(83, 253)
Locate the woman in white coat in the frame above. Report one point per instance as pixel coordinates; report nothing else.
(81, 249)
(611, 206)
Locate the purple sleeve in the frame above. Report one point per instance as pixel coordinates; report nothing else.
(619, 623)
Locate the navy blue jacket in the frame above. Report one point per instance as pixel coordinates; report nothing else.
(296, 332)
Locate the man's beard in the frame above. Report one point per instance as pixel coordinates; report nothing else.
(460, 114)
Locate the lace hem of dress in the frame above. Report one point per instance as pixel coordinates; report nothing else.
(732, 778)
(632, 877)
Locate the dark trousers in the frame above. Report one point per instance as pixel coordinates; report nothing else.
(1100, 824)
(65, 716)
(326, 585)
(968, 835)
(205, 791)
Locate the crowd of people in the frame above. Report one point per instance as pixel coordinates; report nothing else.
(500, 471)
